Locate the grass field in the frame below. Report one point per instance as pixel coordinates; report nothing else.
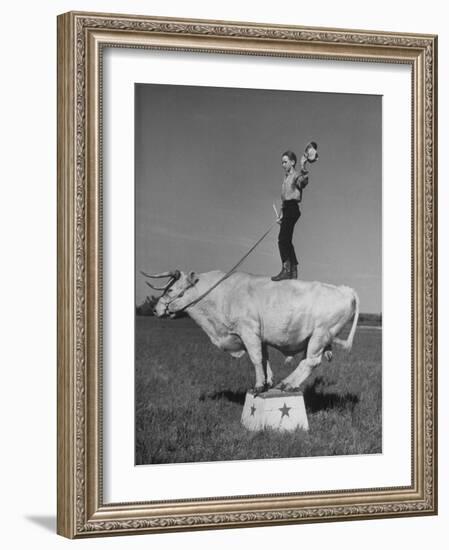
(189, 399)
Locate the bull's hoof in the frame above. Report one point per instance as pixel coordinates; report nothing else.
(328, 355)
(282, 386)
(267, 386)
(258, 390)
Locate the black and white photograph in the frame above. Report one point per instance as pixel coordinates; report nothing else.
(258, 274)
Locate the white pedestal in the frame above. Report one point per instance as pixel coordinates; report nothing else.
(276, 409)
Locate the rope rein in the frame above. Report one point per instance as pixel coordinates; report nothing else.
(231, 271)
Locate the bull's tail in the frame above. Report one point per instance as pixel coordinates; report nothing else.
(347, 344)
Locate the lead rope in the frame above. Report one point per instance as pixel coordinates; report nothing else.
(231, 271)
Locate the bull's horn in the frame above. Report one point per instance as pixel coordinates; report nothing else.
(172, 274)
(161, 287)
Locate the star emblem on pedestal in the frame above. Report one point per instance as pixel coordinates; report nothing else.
(284, 410)
(253, 410)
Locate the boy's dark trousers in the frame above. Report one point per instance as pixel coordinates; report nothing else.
(290, 215)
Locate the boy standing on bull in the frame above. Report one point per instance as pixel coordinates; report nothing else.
(291, 194)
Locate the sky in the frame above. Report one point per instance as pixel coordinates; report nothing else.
(208, 169)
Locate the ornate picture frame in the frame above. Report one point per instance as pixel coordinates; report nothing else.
(82, 40)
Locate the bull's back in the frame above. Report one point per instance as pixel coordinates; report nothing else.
(244, 293)
(291, 306)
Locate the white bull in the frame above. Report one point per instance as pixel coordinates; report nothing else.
(248, 313)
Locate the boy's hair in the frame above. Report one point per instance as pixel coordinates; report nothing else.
(291, 155)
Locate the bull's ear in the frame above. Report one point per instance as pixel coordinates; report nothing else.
(193, 278)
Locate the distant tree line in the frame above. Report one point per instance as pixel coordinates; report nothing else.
(146, 308)
(370, 319)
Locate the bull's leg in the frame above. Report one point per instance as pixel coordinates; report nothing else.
(297, 377)
(317, 344)
(268, 373)
(254, 348)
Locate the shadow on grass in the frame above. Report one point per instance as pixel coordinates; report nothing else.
(233, 396)
(314, 397)
(316, 400)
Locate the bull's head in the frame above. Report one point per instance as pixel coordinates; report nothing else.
(178, 292)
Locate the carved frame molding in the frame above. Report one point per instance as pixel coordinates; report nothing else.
(81, 38)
